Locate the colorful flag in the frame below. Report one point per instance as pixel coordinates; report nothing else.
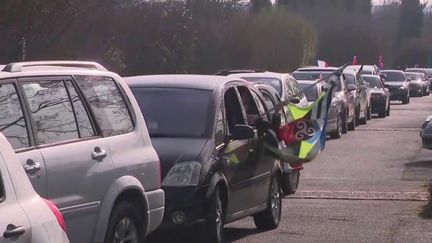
(304, 135)
(355, 60)
(380, 62)
(322, 64)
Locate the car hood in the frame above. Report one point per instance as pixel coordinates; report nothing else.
(174, 150)
(395, 83)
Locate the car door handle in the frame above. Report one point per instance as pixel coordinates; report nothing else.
(13, 231)
(32, 167)
(98, 154)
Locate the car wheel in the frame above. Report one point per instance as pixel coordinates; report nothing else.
(405, 100)
(352, 124)
(369, 113)
(388, 110)
(214, 227)
(344, 124)
(270, 218)
(339, 129)
(125, 225)
(290, 182)
(363, 121)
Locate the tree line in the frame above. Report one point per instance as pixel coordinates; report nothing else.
(203, 36)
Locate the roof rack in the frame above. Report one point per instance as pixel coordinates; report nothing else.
(18, 66)
(226, 72)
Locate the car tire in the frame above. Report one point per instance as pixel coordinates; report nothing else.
(270, 218)
(352, 125)
(125, 223)
(344, 124)
(339, 129)
(214, 226)
(363, 121)
(290, 182)
(405, 100)
(388, 110)
(369, 113)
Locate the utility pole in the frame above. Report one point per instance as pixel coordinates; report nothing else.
(23, 48)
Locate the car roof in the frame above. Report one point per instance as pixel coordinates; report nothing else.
(316, 69)
(391, 71)
(204, 82)
(259, 75)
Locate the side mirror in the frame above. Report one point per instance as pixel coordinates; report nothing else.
(241, 131)
(295, 100)
(408, 80)
(351, 87)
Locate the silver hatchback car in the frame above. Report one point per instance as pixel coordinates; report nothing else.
(25, 217)
(83, 142)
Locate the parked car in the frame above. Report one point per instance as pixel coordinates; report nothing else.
(417, 85)
(380, 95)
(290, 176)
(334, 117)
(398, 85)
(82, 140)
(25, 217)
(215, 169)
(426, 133)
(427, 79)
(361, 95)
(285, 84)
(342, 94)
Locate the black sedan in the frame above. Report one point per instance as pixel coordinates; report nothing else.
(379, 95)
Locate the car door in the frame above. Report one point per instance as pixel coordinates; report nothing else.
(265, 161)
(14, 124)
(77, 160)
(237, 155)
(14, 224)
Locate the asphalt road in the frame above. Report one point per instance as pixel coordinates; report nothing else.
(369, 186)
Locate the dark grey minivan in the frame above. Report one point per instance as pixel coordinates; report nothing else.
(215, 168)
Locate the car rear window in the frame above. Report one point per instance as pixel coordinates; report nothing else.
(373, 82)
(175, 112)
(274, 82)
(394, 76)
(310, 92)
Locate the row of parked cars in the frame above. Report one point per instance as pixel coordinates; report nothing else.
(121, 156)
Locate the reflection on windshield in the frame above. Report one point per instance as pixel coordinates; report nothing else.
(394, 76)
(314, 75)
(412, 76)
(310, 92)
(373, 82)
(188, 109)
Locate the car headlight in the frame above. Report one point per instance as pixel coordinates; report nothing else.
(402, 87)
(183, 174)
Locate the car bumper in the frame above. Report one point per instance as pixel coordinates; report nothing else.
(416, 87)
(156, 203)
(398, 94)
(188, 201)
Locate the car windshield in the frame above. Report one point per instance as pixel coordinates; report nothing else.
(374, 82)
(412, 76)
(274, 82)
(394, 76)
(175, 112)
(311, 93)
(314, 75)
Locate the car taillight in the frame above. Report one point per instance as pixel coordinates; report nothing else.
(57, 213)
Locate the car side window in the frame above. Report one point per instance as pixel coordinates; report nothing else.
(107, 104)
(12, 122)
(2, 192)
(51, 111)
(249, 105)
(270, 105)
(233, 111)
(260, 104)
(85, 127)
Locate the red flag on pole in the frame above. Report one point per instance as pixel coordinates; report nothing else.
(355, 60)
